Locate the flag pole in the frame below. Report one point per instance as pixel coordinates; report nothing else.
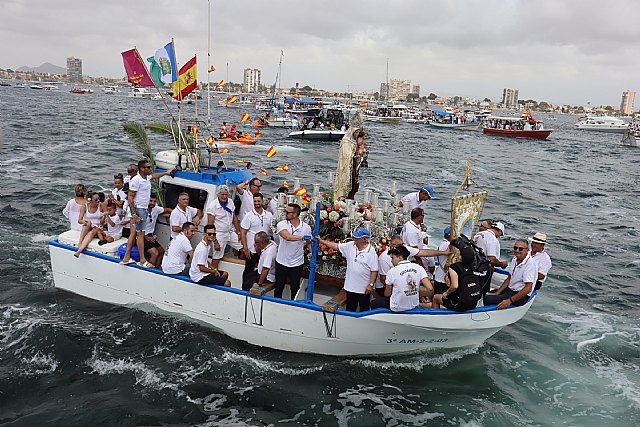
(179, 94)
(208, 63)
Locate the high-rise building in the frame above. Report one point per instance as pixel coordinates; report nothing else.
(384, 90)
(251, 80)
(74, 70)
(399, 89)
(416, 90)
(510, 97)
(628, 98)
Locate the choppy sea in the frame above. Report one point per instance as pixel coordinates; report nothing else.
(573, 360)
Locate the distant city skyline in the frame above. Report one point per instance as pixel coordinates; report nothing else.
(576, 53)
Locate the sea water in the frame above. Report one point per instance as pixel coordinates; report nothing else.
(573, 360)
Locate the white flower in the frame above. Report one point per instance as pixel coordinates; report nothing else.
(323, 214)
(334, 216)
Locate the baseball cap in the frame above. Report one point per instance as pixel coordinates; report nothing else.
(498, 225)
(361, 232)
(429, 190)
(447, 231)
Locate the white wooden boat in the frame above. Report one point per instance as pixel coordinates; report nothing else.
(302, 325)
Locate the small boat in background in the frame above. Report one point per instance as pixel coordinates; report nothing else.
(631, 136)
(110, 90)
(451, 120)
(81, 90)
(516, 127)
(602, 124)
(37, 87)
(244, 138)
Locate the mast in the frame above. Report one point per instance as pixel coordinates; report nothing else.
(387, 98)
(277, 82)
(208, 63)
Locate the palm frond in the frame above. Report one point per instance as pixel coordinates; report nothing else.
(138, 135)
(171, 129)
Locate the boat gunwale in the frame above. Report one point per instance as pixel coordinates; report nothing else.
(299, 304)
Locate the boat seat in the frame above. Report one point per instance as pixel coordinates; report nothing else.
(232, 260)
(262, 290)
(336, 302)
(71, 238)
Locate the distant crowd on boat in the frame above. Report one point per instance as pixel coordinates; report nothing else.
(516, 124)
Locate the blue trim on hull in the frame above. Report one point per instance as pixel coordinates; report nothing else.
(300, 304)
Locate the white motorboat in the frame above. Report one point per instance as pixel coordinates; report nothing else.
(602, 124)
(305, 324)
(140, 92)
(280, 122)
(110, 90)
(37, 87)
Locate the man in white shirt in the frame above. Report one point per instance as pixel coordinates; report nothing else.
(132, 170)
(254, 221)
(221, 213)
(138, 199)
(246, 197)
(201, 270)
(518, 286)
(294, 235)
(266, 272)
(413, 232)
(418, 199)
(402, 291)
(151, 245)
(180, 249)
(538, 242)
(362, 268)
(183, 213)
(488, 241)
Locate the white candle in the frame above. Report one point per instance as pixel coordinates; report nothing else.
(379, 216)
(367, 196)
(296, 183)
(393, 188)
(374, 200)
(330, 178)
(316, 191)
(386, 206)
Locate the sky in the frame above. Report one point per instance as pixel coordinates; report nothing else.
(559, 51)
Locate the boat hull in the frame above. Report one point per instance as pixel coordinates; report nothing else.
(533, 134)
(603, 128)
(280, 123)
(383, 119)
(245, 139)
(295, 326)
(465, 126)
(318, 135)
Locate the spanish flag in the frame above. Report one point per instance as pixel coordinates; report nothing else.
(283, 168)
(258, 133)
(264, 172)
(232, 100)
(285, 184)
(210, 141)
(212, 69)
(219, 85)
(225, 151)
(194, 130)
(300, 191)
(187, 81)
(271, 151)
(245, 117)
(306, 199)
(363, 104)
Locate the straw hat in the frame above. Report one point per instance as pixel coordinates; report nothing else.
(539, 238)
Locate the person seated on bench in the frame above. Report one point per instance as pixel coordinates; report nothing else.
(180, 249)
(201, 270)
(114, 225)
(266, 272)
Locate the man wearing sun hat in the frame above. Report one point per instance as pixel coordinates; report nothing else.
(362, 268)
(418, 199)
(538, 242)
(488, 241)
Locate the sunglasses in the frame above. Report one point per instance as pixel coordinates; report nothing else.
(211, 234)
(257, 185)
(518, 248)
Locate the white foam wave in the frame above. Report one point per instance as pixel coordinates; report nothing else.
(39, 364)
(416, 363)
(395, 409)
(581, 344)
(263, 365)
(41, 237)
(210, 403)
(144, 375)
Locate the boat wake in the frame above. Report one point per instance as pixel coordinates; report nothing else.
(417, 362)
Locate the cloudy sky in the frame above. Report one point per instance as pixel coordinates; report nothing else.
(561, 51)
